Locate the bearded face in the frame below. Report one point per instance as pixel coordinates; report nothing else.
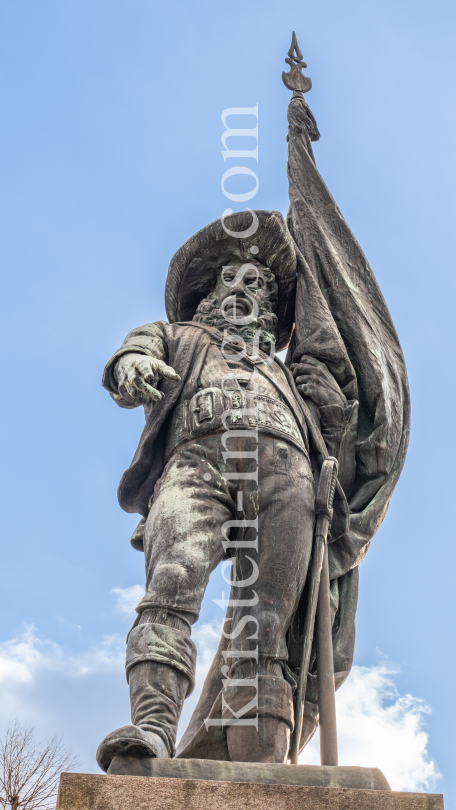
(242, 305)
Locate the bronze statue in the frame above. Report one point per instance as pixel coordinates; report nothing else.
(231, 456)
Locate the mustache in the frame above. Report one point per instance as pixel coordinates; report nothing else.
(238, 302)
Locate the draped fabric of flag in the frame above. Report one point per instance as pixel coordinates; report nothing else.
(341, 319)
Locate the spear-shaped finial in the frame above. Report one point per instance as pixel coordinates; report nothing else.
(295, 80)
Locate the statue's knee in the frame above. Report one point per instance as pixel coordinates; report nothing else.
(170, 577)
(270, 620)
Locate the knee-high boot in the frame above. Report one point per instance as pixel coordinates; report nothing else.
(157, 694)
(160, 671)
(261, 710)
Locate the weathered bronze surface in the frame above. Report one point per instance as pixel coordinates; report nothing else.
(295, 80)
(229, 461)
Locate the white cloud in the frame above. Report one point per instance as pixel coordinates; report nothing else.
(378, 727)
(206, 638)
(25, 657)
(80, 695)
(127, 599)
(83, 695)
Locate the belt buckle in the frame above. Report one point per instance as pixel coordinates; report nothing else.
(205, 410)
(239, 404)
(235, 407)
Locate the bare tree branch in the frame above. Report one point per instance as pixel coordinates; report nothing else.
(30, 771)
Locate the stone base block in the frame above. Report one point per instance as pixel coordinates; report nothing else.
(79, 791)
(261, 773)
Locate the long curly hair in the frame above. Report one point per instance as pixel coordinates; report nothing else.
(265, 324)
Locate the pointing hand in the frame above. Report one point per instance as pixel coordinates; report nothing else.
(137, 376)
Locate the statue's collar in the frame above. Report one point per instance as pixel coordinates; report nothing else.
(252, 355)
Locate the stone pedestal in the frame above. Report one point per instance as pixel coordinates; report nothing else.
(79, 791)
(261, 773)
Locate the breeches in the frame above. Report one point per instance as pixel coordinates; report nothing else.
(206, 485)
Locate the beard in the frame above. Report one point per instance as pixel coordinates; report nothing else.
(261, 330)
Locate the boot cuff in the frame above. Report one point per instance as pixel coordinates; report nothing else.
(166, 645)
(273, 699)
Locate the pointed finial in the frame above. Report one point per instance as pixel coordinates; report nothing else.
(295, 80)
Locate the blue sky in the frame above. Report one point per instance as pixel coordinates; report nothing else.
(110, 157)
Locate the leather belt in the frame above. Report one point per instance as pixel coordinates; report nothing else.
(211, 409)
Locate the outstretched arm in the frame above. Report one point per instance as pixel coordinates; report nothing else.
(133, 372)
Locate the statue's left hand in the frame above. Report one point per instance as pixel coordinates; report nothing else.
(315, 381)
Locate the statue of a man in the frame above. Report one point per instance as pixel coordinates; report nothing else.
(228, 410)
(229, 459)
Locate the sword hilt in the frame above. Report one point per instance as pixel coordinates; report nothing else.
(326, 488)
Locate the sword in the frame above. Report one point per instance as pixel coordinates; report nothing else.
(319, 596)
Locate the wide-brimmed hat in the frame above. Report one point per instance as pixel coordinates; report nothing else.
(193, 269)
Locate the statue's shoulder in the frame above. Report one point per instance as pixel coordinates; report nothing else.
(155, 329)
(189, 329)
(161, 329)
